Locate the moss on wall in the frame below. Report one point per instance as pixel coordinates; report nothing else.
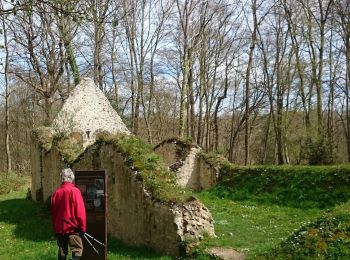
(183, 146)
(44, 136)
(139, 156)
(214, 160)
(70, 148)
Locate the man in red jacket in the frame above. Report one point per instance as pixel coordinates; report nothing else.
(68, 216)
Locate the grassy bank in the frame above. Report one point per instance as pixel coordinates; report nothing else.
(293, 186)
(282, 212)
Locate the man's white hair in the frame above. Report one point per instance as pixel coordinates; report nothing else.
(67, 175)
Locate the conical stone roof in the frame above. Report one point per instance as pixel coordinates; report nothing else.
(88, 111)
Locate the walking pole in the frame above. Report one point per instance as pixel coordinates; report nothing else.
(71, 219)
(94, 239)
(90, 244)
(85, 235)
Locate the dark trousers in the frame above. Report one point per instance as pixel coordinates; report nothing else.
(73, 240)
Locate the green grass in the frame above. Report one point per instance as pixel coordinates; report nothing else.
(251, 227)
(24, 229)
(260, 229)
(26, 233)
(257, 228)
(118, 250)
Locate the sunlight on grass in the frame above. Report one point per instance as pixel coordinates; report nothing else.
(247, 226)
(119, 251)
(25, 231)
(251, 227)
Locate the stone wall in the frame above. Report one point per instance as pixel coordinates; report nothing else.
(168, 152)
(188, 175)
(52, 166)
(193, 172)
(207, 174)
(36, 173)
(133, 216)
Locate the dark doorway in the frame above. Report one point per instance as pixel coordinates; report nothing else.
(93, 187)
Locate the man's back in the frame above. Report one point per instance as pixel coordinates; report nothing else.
(68, 209)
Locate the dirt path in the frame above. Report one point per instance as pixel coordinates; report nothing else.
(225, 253)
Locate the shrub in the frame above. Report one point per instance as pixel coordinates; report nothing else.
(10, 181)
(318, 152)
(326, 238)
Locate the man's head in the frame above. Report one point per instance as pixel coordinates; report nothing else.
(67, 175)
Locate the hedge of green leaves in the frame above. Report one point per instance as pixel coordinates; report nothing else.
(295, 186)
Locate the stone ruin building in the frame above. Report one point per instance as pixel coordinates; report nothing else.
(193, 172)
(136, 214)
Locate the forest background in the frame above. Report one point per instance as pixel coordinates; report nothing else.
(258, 81)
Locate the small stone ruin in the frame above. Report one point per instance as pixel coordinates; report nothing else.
(192, 171)
(134, 214)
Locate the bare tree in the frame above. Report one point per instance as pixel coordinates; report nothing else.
(191, 30)
(40, 61)
(343, 19)
(247, 80)
(7, 91)
(66, 15)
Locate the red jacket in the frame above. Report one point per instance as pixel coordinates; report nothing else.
(67, 205)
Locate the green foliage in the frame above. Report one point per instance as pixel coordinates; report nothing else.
(139, 156)
(327, 237)
(44, 136)
(10, 181)
(295, 186)
(70, 148)
(318, 152)
(213, 159)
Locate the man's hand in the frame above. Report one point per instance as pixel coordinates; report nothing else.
(81, 233)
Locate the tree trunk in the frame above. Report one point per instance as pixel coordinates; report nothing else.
(183, 91)
(247, 85)
(216, 111)
(7, 96)
(113, 68)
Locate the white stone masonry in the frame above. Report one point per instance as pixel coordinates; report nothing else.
(88, 111)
